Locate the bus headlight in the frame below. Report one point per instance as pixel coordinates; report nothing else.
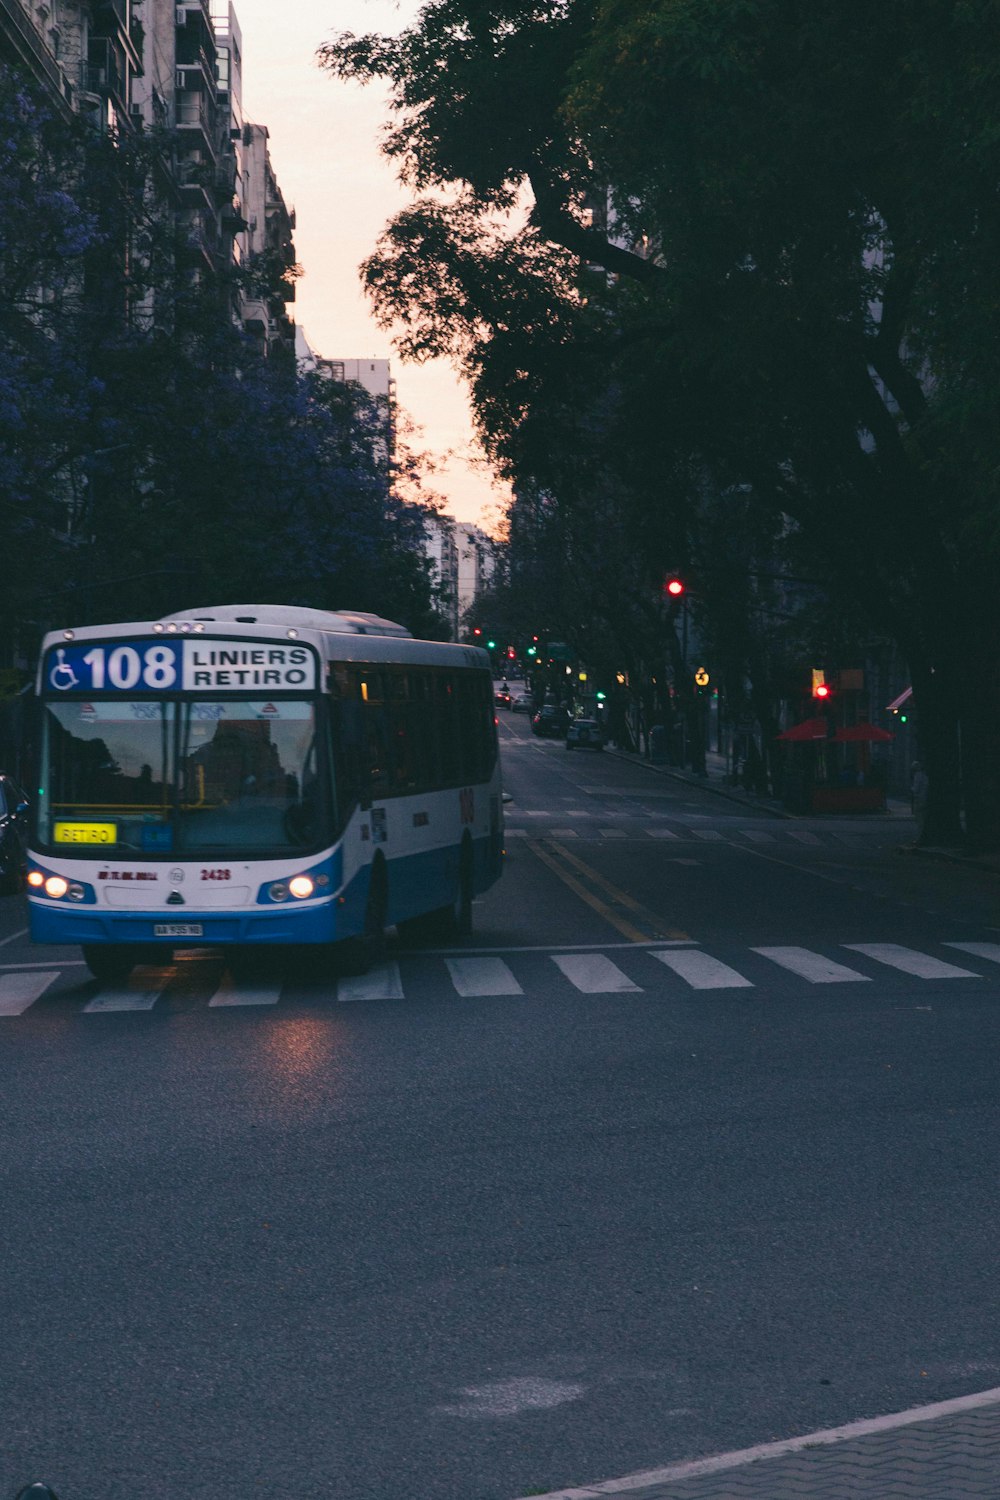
(55, 886)
(301, 886)
(278, 891)
(76, 891)
(36, 878)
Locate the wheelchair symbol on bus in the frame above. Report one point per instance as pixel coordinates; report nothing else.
(62, 674)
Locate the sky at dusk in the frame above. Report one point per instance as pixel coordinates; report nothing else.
(324, 149)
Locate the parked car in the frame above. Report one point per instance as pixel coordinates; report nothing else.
(13, 833)
(521, 703)
(502, 697)
(584, 734)
(551, 719)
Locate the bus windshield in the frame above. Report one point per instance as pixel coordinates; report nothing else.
(182, 778)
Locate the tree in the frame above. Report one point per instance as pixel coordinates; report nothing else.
(795, 284)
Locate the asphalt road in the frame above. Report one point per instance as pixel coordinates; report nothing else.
(602, 1187)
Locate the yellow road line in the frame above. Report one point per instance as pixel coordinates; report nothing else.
(557, 857)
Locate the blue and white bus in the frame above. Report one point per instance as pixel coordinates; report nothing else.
(257, 774)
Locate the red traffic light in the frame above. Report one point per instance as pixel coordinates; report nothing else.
(477, 630)
(674, 587)
(821, 690)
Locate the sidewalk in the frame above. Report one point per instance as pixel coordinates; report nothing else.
(948, 1451)
(716, 781)
(897, 810)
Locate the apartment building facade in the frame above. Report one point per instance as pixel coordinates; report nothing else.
(172, 66)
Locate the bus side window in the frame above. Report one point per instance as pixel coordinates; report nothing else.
(423, 740)
(376, 734)
(446, 715)
(399, 713)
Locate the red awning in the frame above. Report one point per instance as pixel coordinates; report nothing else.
(870, 732)
(809, 729)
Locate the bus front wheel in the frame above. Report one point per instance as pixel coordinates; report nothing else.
(109, 962)
(357, 955)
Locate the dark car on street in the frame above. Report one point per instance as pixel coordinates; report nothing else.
(13, 833)
(551, 720)
(522, 703)
(502, 697)
(584, 733)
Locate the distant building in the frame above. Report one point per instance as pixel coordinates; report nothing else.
(269, 248)
(373, 375)
(463, 559)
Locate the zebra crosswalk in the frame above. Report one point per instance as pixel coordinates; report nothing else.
(608, 826)
(660, 971)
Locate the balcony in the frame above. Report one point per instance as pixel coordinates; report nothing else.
(102, 71)
(196, 119)
(29, 46)
(111, 21)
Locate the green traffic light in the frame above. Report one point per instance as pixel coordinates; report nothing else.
(600, 697)
(532, 650)
(491, 645)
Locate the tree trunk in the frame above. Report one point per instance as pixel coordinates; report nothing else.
(940, 747)
(981, 753)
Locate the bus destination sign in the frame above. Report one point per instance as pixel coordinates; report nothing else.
(191, 665)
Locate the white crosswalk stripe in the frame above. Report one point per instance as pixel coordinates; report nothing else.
(140, 992)
(661, 833)
(910, 961)
(613, 833)
(979, 950)
(757, 836)
(594, 974)
(804, 836)
(706, 833)
(18, 991)
(482, 976)
(383, 982)
(701, 971)
(235, 991)
(589, 971)
(810, 965)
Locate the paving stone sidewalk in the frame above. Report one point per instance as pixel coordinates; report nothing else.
(949, 1451)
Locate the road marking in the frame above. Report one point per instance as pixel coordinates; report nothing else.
(594, 974)
(739, 1458)
(64, 963)
(482, 976)
(18, 991)
(610, 833)
(706, 833)
(811, 966)
(140, 993)
(910, 961)
(594, 902)
(21, 932)
(661, 833)
(701, 971)
(234, 991)
(565, 833)
(979, 950)
(803, 836)
(756, 836)
(617, 897)
(382, 982)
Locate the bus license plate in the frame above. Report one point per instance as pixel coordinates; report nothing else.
(178, 929)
